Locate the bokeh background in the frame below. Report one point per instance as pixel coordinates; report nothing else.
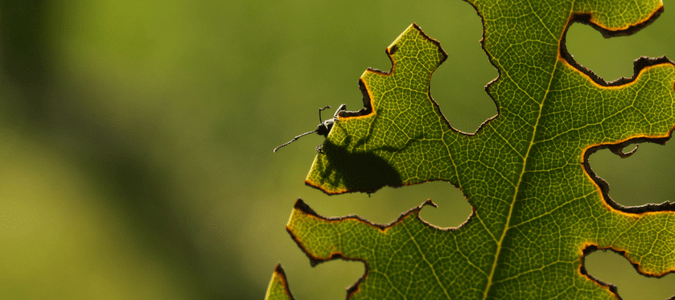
(136, 140)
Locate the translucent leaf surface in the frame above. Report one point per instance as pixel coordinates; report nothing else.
(537, 205)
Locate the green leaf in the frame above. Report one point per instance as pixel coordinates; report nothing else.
(278, 288)
(537, 205)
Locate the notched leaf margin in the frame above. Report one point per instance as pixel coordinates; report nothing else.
(313, 260)
(590, 248)
(585, 18)
(280, 275)
(367, 109)
(639, 65)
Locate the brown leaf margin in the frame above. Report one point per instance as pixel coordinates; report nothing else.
(280, 275)
(314, 260)
(640, 64)
(368, 109)
(590, 248)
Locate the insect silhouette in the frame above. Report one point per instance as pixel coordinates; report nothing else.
(323, 128)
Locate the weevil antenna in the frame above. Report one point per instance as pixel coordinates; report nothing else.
(320, 109)
(293, 140)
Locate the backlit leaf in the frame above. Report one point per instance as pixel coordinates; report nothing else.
(537, 205)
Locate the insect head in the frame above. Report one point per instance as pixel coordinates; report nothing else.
(323, 128)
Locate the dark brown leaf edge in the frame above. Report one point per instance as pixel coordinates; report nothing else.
(592, 248)
(368, 107)
(639, 64)
(279, 271)
(586, 251)
(617, 148)
(313, 260)
(367, 102)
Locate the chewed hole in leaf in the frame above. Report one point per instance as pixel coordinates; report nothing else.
(453, 208)
(611, 267)
(329, 279)
(647, 176)
(385, 205)
(458, 84)
(612, 58)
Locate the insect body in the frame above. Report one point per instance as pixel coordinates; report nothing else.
(323, 128)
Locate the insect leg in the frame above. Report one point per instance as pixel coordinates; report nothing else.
(341, 108)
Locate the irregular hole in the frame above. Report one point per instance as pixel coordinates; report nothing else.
(611, 58)
(453, 208)
(458, 85)
(611, 267)
(645, 177)
(327, 280)
(384, 206)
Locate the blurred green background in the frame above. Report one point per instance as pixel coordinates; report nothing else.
(136, 140)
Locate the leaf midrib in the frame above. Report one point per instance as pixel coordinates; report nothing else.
(520, 177)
